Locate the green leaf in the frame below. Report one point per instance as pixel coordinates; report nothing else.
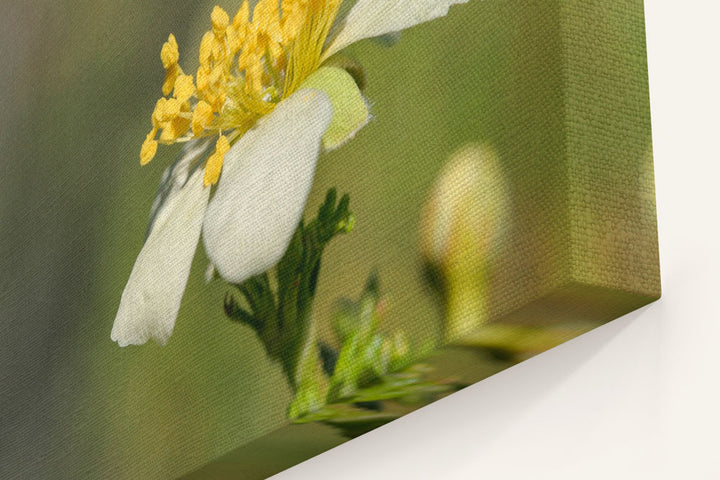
(281, 316)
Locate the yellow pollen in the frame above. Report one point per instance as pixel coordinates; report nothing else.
(170, 53)
(171, 75)
(174, 129)
(247, 66)
(202, 117)
(149, 148)
(215, 161)
(242, 17)
(202, 78)
(206, 47)
(219, 19)
(166, 109)
(233, 40)
(184, 88)
(158, 115)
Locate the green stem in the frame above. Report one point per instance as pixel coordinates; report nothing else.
(466, 304)
(295, 347)
(309, 380)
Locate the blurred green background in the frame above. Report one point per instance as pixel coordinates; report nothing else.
(78, 86)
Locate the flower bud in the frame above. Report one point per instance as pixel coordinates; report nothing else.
(461, 222)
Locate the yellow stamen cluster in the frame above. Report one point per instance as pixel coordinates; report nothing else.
(246, 66)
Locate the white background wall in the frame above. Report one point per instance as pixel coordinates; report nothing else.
(637, 398)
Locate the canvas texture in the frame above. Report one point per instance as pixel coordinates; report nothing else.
(405, 198)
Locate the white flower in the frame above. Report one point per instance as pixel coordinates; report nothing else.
(278, 132)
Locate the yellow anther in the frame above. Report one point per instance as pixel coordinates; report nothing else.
(215, 161)
(242, 17)
(202, 117)
(159, 112)
(218, 50)
(265, 14)
(220, 20)
(184, 88)
(169, 53)
(174, 129)
(172, 108)
(253, 77)
(212, 99)
(217, 75)
(293, 16)
(203, 78)
(149, 148)
(170, 76)
(247, 55)
(206, 48)
(166, 109)
(219, 101)
(275, 48)
(233, 40)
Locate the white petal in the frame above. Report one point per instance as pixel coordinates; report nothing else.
(151, 299)
(372, 18)
(175, 177)
(265, 182)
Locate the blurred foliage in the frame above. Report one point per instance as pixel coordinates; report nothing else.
(369, 368)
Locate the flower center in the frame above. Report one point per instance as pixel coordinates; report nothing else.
(246, 67)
